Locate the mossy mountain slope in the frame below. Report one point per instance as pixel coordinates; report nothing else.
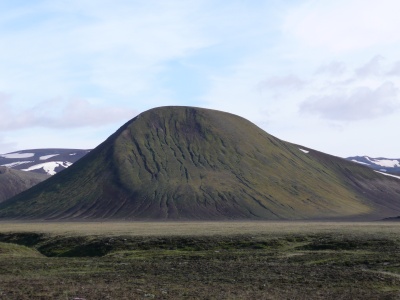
(13, 182)
(191, 163)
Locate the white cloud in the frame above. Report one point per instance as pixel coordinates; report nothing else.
(115, 48)
(80, 112)
(334, 68)
(76, 66)
(372, 68)
(282, 82)
(343, 25)
(395, 69)
(360, 104)
(60, 113)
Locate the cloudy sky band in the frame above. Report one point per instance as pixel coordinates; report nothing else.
(73, 72)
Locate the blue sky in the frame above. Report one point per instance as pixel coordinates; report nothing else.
(324, 74)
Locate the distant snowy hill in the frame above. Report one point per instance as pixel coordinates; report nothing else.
(387, 165)
(45, 161)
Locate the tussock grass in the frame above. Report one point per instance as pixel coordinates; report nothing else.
(249, 260)
(12, 250)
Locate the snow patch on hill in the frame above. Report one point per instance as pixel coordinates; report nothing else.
(17, 163)
(305, 151)
(18, 155)
(388, 174)
(49, 167)
(360, 162)
(48, 156)
(57, 159)
(389, 163)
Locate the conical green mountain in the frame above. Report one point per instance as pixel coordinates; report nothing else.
(191, 163)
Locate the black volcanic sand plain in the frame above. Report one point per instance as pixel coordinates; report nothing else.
(184, 163)
(209, 260)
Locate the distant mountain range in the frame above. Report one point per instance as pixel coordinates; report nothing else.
(386, 165)
(185, 163)
(44, 161)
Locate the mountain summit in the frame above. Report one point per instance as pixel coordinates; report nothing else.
(199, 164)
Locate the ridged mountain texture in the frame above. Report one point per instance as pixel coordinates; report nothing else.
(184, 163)
(13, 182)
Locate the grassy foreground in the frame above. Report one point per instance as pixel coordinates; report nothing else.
(241, 260)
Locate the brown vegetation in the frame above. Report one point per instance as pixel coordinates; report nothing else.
(218, 261)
